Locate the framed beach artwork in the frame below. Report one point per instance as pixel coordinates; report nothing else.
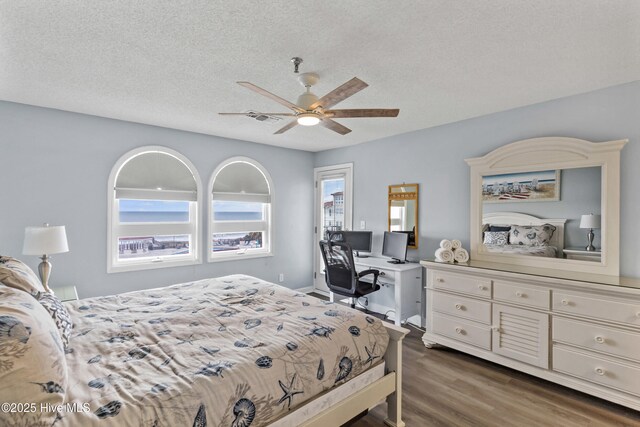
(538, 186)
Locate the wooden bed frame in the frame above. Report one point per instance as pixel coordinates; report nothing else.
(514, 218)
(389, 387)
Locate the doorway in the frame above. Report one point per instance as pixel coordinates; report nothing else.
(332, 211)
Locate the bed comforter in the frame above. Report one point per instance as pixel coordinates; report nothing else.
(233, 351)
(541, 251)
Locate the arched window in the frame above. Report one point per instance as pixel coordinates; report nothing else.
(240, 199)
(154, 194)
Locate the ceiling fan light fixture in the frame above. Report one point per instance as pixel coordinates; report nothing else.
(308, 119)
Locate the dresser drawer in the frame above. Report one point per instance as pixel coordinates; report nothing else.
(601, 308)
(462, 307)
(520, 294)
(595, 337)
(462, 331)
(471, 285)
(621, 376)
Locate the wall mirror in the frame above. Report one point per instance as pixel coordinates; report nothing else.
(548, 202)
(403, 211)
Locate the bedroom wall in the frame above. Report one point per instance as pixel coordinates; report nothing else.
(54, 168)
(434, 158)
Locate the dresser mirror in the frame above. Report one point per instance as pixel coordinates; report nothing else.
(403, 211)
(549, 203)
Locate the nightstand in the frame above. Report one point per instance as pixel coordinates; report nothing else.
(582, 254)
(65, 293)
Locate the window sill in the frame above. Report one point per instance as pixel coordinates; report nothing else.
(239, 257)
(121, 268)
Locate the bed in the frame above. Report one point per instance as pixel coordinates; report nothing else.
(553, 248)
(233, 351)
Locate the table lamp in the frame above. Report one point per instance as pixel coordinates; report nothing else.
(590, 221)
(44, 241)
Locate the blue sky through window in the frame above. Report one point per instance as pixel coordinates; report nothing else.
(127, 205)
(330, 186)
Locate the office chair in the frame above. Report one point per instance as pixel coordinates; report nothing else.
(340, 272)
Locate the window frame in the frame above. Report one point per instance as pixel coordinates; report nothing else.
(268, 231)
(116, 229)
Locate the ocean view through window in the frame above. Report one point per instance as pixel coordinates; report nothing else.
(240, 216)
(153, 211)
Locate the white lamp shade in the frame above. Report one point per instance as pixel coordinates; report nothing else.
(590, 221)
(45, 240)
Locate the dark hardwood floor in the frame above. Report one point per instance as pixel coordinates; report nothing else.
(443, 387)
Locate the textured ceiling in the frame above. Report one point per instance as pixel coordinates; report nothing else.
(175, 63)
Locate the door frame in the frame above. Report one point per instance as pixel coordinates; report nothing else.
(318, 174)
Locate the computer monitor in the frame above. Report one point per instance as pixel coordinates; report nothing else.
(394, 246)
(358, 240)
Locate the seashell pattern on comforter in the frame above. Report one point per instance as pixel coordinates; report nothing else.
(231, 351)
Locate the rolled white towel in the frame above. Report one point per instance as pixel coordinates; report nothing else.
(461, 255)
(445, 244)
(444, 255)
(456, 244)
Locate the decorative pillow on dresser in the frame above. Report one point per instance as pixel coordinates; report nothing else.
(531, 235)
(59, 314)
(496, 238)
(18, 275)
(33, 369)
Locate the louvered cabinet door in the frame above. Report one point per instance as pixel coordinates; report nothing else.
(521, 334)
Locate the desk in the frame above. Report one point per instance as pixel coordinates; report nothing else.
(404, 280)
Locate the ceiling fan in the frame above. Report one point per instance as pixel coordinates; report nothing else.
(310, 110)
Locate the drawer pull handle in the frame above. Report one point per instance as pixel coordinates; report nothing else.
(495, 328)
(482, 287)
(600, 371)
(599, 339)
(459, 306)
(459, 330)
(565, 302)
(440, 280)
(519, 294)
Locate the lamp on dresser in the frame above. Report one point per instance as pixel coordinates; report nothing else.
(591, 222)
(45, 241)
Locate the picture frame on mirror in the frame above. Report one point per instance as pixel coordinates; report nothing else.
(536, 186)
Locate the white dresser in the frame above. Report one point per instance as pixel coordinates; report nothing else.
(578, 330)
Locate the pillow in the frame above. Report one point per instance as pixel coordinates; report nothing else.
(16, 274)
(59, 314)
(33, 369)
(499, 228)
(531, 235)
(496, 238)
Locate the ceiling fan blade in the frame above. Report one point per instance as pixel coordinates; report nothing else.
(286, 127)
(265, 114)
(362, 112)
(269, 95)
(335, 126)
(340, 93)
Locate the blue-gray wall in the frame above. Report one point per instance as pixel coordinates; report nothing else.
(434, 158)
(54, 168)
